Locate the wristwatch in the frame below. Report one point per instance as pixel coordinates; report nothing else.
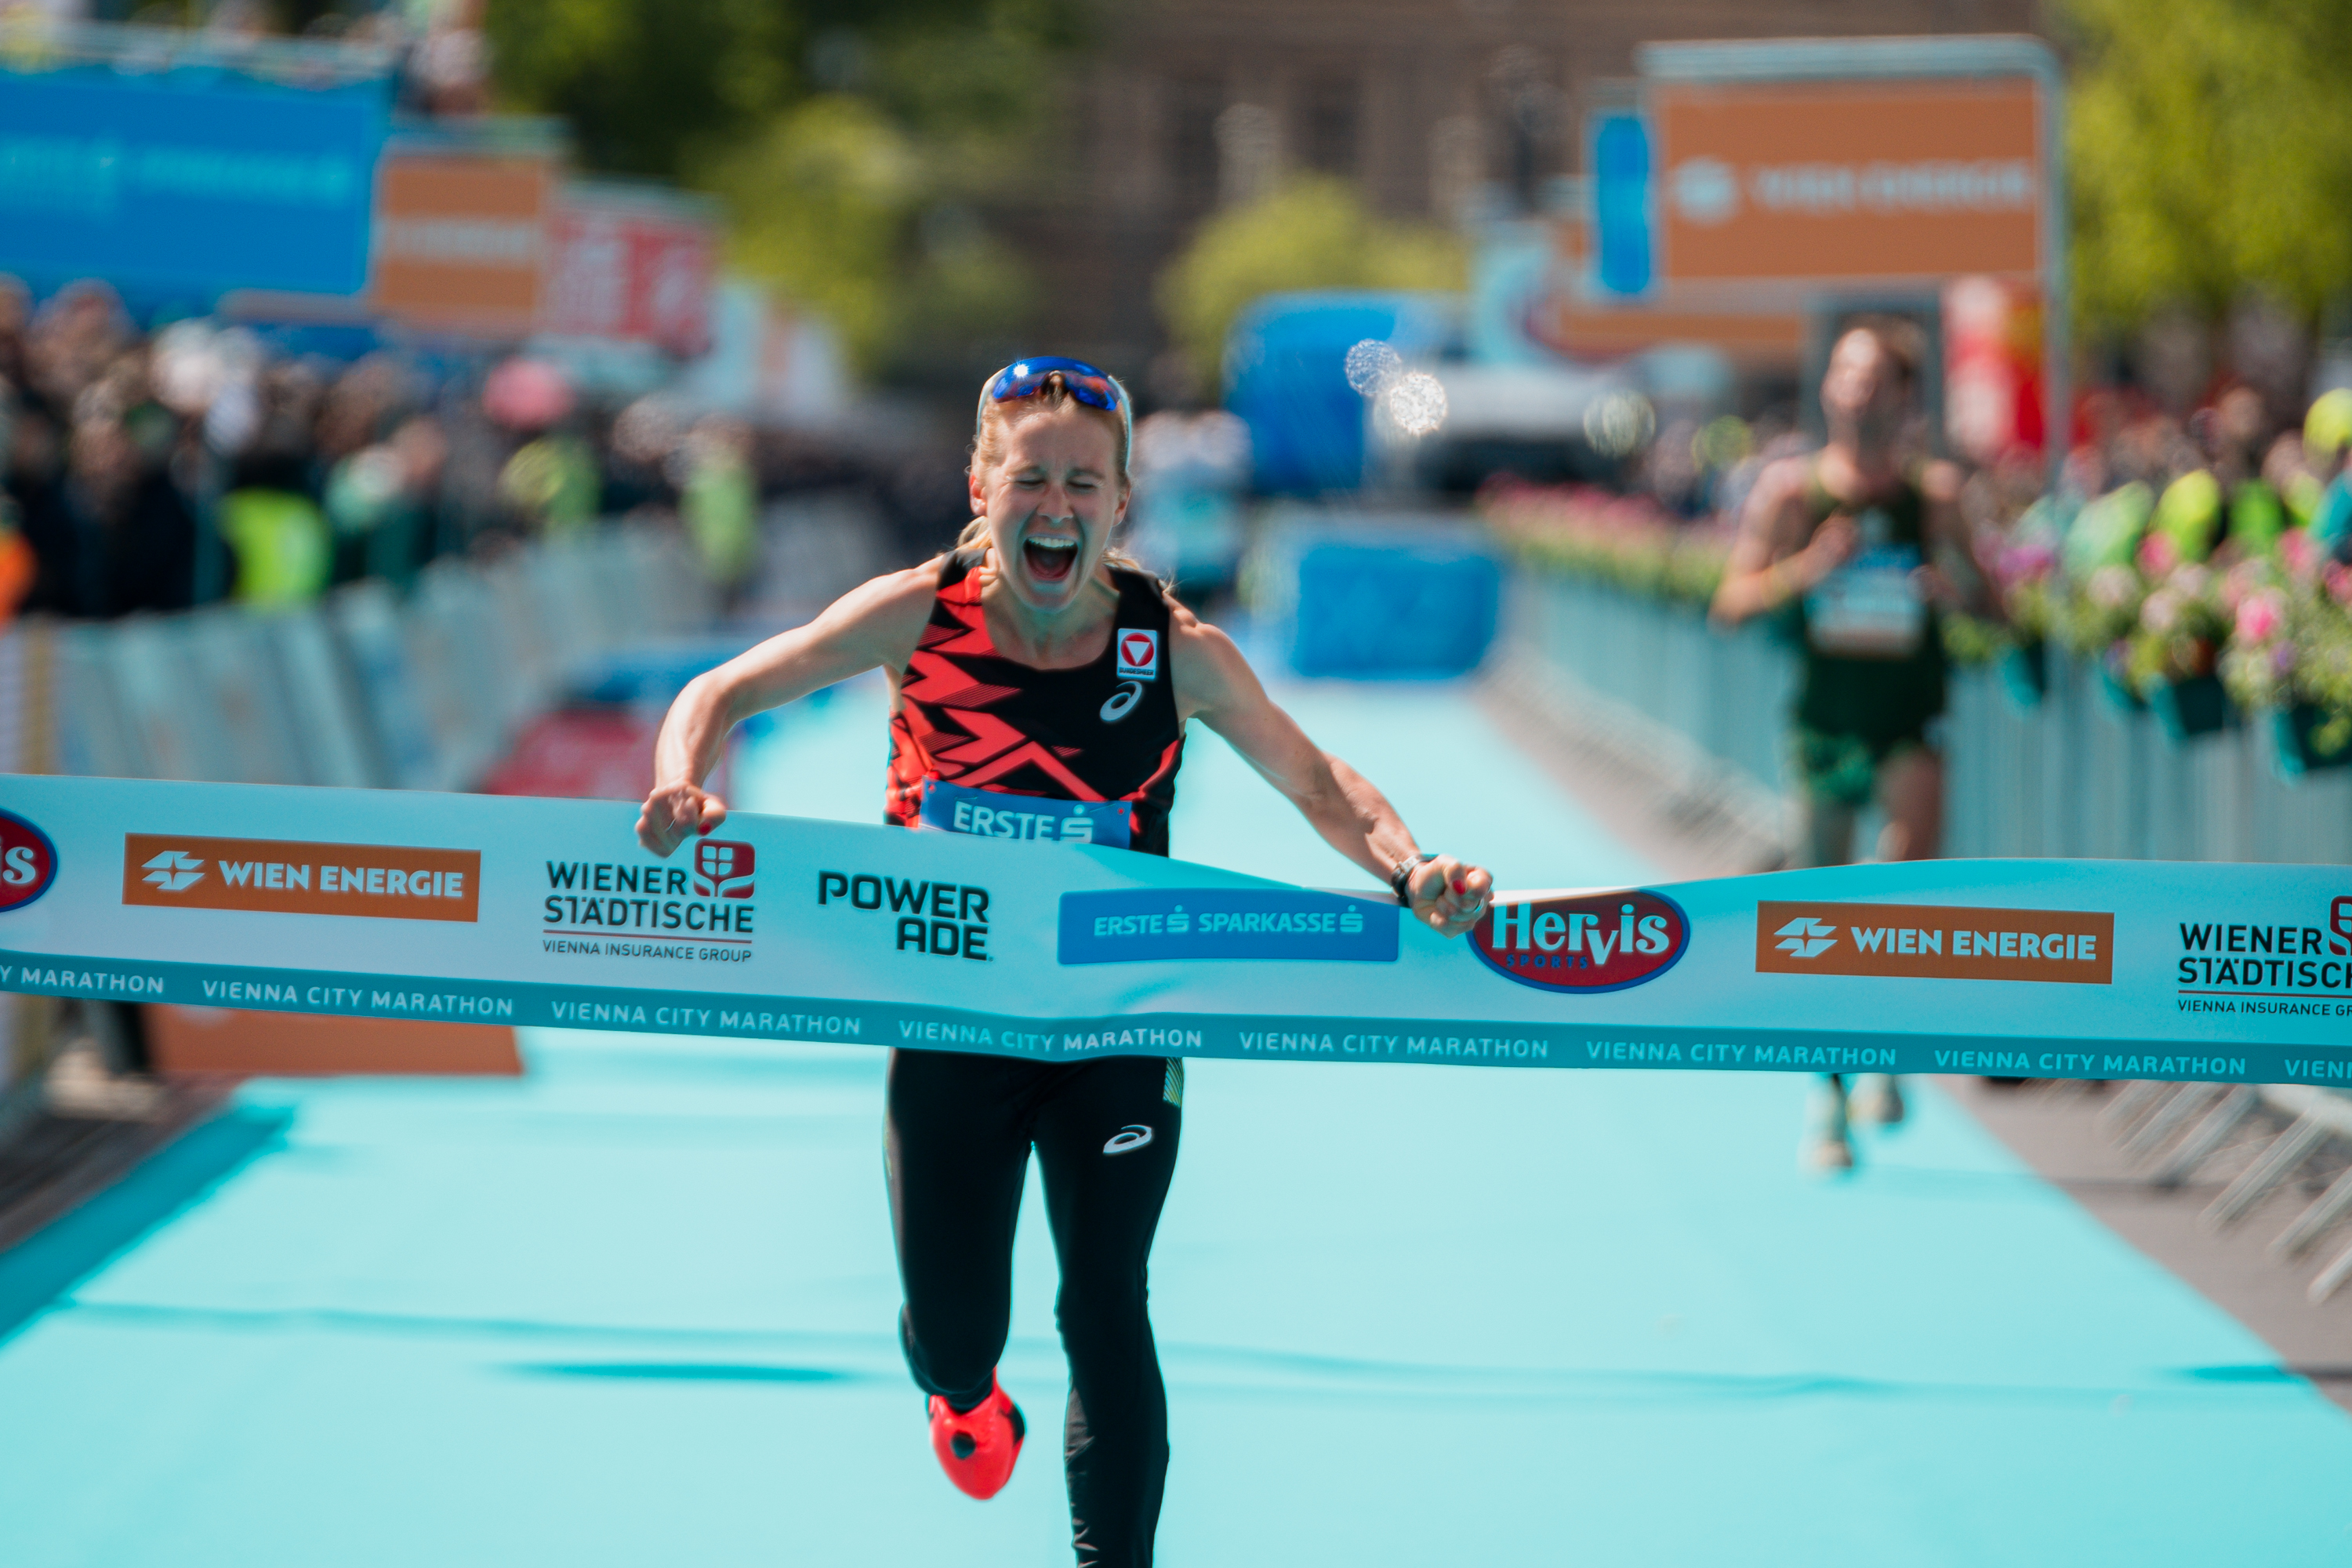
(1401, 876)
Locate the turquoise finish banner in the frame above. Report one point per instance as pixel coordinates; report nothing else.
(496, 910)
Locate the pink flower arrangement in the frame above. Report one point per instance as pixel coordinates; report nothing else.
(2161, 611)
(2113, 587)
(2260, 615)
(2157, 554)
(2016, 563)
(2298, 553)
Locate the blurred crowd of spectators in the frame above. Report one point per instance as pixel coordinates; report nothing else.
(2237, 469)
(2202, 563)
(153, 471)
(440, 54)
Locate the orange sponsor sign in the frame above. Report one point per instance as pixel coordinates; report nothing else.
(461, 238)
(380, 881)
(1814, 182)
(231, 1040)
(1930, 941)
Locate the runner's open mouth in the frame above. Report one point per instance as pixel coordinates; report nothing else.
(1050, 560)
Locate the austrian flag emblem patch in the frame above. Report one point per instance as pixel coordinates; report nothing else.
(1139, 655)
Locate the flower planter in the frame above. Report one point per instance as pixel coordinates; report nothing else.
(2188, 709)
(2115, 695)
(2305, 739)
(2025, 674)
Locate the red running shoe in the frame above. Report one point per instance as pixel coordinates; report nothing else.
(977, 1447)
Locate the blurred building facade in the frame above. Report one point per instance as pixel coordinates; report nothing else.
(1441, 110)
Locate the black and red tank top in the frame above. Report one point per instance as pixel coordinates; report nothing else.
(968, 718)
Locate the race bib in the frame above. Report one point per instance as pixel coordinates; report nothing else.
(952, 808)
(1870, 607)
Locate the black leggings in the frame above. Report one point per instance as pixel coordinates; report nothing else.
(961, 1128)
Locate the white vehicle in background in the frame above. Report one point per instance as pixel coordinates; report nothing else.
(1452, 425)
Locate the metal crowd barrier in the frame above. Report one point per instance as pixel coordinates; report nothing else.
(2073, 776)
(364, 688)
(2182, 1127)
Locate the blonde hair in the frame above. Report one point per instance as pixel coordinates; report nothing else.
(996, 418)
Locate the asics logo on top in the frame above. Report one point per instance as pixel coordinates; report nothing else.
(722, 869)
(1122, 701)
(1806, 937)
(1139, 655)
(1127, 1138)
(174, 870)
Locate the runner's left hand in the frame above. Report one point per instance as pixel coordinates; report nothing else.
(1936, 586)
(1449, 895)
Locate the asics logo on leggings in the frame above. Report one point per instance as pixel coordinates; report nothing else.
(1127, 1139)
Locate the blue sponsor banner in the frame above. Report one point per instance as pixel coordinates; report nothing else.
(1060, 952)
(1134, 924)
(952, 808)
(191, 180)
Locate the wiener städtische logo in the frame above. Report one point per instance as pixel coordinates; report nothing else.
(385, 881)
(1924, 942)
(1592, 941)
(28, 862)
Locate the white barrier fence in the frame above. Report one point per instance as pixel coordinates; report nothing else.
(363, 689)
(2073, 776)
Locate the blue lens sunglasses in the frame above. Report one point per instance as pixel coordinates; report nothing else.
(1095, 388)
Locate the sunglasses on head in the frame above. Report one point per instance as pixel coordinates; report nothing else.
(1095, 388)
(1026, 378)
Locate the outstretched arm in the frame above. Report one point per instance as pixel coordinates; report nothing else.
(871, 625)
(1215, 684)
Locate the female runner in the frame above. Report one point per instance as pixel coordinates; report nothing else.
(1032, 660)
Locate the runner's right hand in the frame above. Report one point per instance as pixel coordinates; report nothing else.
(1827, 551)
(675, 813)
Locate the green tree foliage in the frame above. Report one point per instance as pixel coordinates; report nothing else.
(1313, 232)
(2210, 143)
(850, 141)
(650, 87)
(819, 202)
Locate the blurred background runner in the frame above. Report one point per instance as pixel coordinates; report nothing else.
(1856, 546)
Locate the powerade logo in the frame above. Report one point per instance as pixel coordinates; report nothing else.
(28, 862)
(945, 920)
(1599, 942)
(1135, 924)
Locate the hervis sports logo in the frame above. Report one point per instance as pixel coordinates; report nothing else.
(1589, 942)
(28, 862)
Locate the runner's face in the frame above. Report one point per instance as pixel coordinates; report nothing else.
(1051, 503)
(1861, 388)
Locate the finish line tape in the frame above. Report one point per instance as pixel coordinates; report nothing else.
(490, 909)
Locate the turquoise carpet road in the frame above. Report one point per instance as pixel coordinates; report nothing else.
(637, 1308)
